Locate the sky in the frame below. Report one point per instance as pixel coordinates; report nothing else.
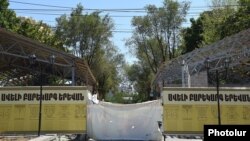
(122, 20)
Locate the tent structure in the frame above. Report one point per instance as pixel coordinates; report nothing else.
(189, 70)
(22, 57)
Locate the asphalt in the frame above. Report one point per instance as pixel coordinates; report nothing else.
(69, 138)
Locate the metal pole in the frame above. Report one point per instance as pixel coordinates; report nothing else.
(73, 75)
(218, 96)
(40, 104)
(183, 73)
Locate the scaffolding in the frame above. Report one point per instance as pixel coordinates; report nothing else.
(15, 53)
(178, 71)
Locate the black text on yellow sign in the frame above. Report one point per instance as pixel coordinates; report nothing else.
(45, 97)
(19, 110)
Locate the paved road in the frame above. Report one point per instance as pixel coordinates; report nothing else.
(168, 138)
(66, 138)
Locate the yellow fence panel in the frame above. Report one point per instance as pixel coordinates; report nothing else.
(64, 109)
(187, 110)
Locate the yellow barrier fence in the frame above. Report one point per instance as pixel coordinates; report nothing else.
(187, 110)
(63, 109)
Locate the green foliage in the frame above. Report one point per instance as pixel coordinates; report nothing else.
(238, 21)
(8, 19)
(106, 74)
(116, 98)
(84, 34)
(28, 27)
(88, 36)
(138, 98)
(208, 27)
(155, 39)
(212, 22)
(141, 76)
(38, 31)
(193, 35)
(221, 21)
(119, 97)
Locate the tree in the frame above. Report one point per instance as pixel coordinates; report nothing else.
(192, 36)
(106, 70)
(8, 19)
(238, 21)
(215, 4)
(224, 19)
(156, 35)
(88, 36)
(85, 34)
(154, 41)
(140, 75)
(206, 29)
(38, 31)
(28, 27)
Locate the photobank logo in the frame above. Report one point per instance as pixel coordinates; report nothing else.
(221, 132)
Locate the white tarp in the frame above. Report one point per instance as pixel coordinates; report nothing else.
(107, 121)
